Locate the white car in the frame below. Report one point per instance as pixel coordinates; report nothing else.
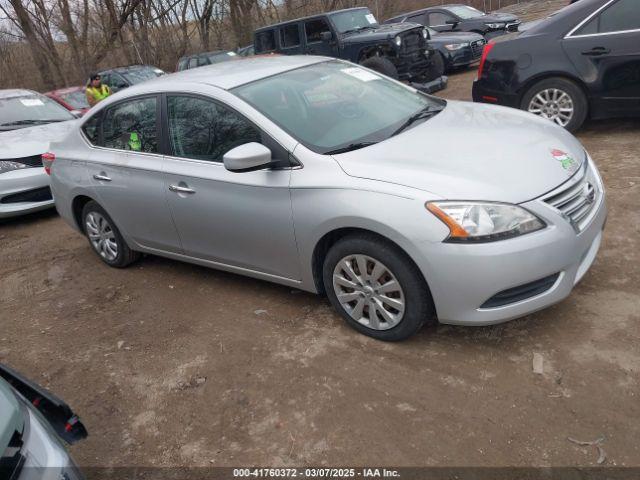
(28, 123)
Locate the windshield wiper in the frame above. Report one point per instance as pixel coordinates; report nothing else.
(426, 112)
(349, 148)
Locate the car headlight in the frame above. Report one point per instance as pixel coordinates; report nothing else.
(474, 222)
(398, 41)
(8, 166)
(495, 26)
(425, 33)
(456, 46)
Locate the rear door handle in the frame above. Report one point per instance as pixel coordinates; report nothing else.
(179, 189)
(102, 178)
(597, 51)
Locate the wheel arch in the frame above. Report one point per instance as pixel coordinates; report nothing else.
(78, 203)
(548, 75)
(324, 244)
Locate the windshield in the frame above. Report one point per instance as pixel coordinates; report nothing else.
(333, 105)
(31, 109)
(353, 20)
(140, 75)
(77, 99)
(465, 12)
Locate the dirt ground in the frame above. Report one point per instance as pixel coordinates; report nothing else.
(171, 364)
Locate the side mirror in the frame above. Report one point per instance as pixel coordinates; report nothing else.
(453, 23)
(326, 36)
(247, 158)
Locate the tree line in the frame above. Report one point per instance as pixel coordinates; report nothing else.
(47, 44)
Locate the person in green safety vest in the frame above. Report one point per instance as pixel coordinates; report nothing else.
(96, 90)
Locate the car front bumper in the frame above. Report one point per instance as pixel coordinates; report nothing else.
(24, 191)
(464, 277)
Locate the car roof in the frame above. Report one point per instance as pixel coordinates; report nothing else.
(310, 17)
(126, 69)
(228, 75)
(16, 92)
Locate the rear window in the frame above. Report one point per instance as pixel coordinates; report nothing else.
(619, 17)
(290, 36)
(265, 41)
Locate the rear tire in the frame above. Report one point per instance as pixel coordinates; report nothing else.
(105, 238)
(539, 100)
(381, 65)
(390, 302)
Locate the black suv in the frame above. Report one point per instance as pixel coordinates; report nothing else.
(123, 77)
(461, 18)
(400, 51)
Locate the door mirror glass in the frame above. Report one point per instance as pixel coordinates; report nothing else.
(326, 36)
(248, 157)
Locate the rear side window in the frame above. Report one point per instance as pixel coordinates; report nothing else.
(290, 36)
(315, 28)
(619, 17)
(439, 19)
(193, 62)
(204, 130)
(265, 41)
(131, 125)
(91, 129)
(421, 18)
(182, 64)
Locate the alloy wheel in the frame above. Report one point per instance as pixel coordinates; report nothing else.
(553, 104)
(101, 236)
(369, 292)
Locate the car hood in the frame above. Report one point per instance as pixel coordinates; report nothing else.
(498, 17)
(26, 142)
(381, 32)
(10, 415)
(456, 37)
(473, 152)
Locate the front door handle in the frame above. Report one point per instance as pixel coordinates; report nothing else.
(179, 189)
(597, 51)
(102, 177)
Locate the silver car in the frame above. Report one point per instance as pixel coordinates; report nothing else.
(321, 175)
(28, 122)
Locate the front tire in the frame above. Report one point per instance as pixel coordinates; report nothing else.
(376, 288)
(105, 238)
(437, 67)
(381, 65)
(559, 100)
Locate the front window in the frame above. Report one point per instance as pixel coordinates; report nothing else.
(29, 110)
(335, 105)
(465, 12)
(140, 75)
(77, 99)
(354, 20)
(204, 130)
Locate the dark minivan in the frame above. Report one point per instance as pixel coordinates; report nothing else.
(583, 61)
(399, 51)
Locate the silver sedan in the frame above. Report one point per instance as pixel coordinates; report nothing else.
(328, 177)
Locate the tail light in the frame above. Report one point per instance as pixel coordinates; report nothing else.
(47, 161)
(485, 53)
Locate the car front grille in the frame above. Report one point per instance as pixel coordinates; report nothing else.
(32, 161)
(577, 202)
(476, 48)
(412, 42)
(33, 196)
